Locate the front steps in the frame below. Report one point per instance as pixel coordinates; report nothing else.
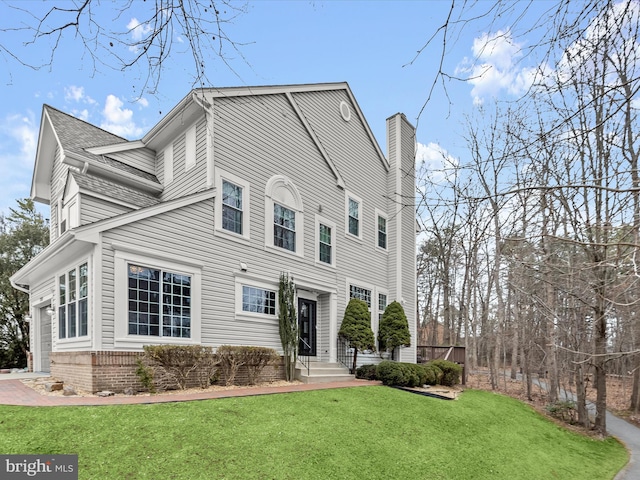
(323, 372)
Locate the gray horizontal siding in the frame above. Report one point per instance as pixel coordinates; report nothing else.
(93, 209)
(195, 179)
(140, 158)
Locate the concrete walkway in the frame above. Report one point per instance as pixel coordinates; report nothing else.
(14, 392)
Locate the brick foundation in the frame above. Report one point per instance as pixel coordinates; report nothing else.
(116, 371)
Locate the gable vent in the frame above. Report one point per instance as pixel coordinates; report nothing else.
(345, 111)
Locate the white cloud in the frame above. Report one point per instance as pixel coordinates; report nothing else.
(434, 163)
(22, 132)
(137, 31)
(143, 102)
(495, 67)
(119, 120)
(74, 93)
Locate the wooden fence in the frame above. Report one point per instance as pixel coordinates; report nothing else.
(458, 355)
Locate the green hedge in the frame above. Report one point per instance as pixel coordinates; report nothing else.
(367, 372)
(451, 372)
(402, 374)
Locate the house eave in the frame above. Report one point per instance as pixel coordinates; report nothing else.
(50, 260)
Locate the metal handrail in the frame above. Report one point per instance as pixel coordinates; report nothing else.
(307, 362)
(345, 353)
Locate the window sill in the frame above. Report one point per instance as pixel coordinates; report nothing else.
(283, 252)
(235, 237)
(138, 341)
(256, 317)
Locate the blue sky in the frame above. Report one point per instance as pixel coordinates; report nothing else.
(369, 44)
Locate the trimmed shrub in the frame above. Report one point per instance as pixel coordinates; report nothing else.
(391, 373)
(433, 374)
(168, 366)
(254, 359)
(367, 372)
(394, 328)
(401, 374)
(451, 372)
(356, 328)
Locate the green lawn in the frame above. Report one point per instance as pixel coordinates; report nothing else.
(359, 433)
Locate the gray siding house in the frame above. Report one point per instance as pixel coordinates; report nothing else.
(180, 237)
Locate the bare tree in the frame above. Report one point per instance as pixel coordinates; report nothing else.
(166, 29)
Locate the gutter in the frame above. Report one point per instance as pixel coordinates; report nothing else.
(17, 286)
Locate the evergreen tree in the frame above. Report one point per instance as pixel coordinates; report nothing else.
(288, 324)
(356, 328)
(394, 328)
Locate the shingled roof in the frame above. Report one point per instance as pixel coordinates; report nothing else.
(76, 136)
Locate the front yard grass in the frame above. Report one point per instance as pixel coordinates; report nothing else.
(364, 432)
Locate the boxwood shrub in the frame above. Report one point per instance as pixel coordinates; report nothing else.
(367, 372)
(451, 372)
(401, 374)
(433, 373)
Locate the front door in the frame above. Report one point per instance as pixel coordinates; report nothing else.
(307, 327)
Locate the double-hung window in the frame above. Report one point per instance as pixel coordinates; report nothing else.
(73, 311)
(284, 227)
(232, 207)
(159, 302)
(382, 232)
(382, 305)
(354, 217)
(325, 244)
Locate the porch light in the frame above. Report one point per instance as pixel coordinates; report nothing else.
(28, 317)
(50, 311)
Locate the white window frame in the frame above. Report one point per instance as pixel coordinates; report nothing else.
(318, 221)
(168, 164)
(130, 255)
(190, 148)
(56, 300)
(219, 177)
(380, 214)
(348, 195)
(280, 190)
(252, 281)
(376, 325)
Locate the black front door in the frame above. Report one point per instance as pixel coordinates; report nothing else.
(307, 327)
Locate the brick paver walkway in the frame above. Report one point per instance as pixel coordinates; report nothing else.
(14, 392)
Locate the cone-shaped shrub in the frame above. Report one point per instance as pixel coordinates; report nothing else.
(394, 328)
(356, 328)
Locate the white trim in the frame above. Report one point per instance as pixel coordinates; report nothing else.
(190, 148)
(122, 339)
(321, 220)
(280, 190)
(348, 195)
(242, 280)
(210, 127)
(221, 175)
(380, 213)
(168, 164)
(78, 341)
(378, 314)
(116, 147)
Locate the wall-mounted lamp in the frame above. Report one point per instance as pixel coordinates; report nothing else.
(28, 317)
(50, 311)
(243, 266)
